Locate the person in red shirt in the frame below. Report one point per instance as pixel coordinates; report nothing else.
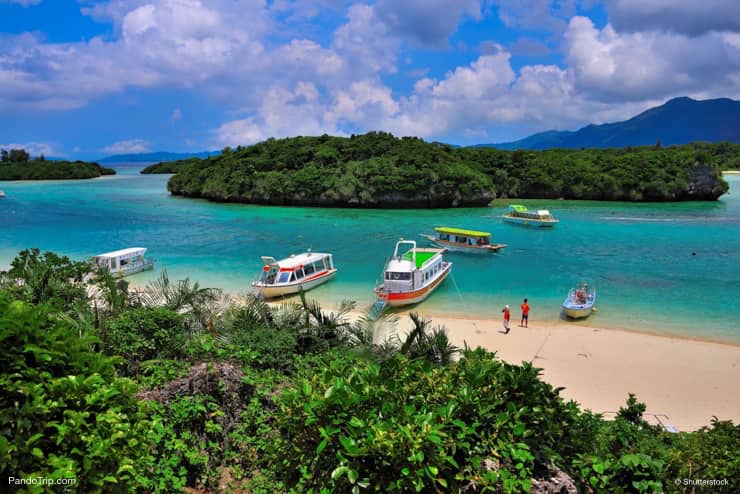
(507, 317)
(525, 314)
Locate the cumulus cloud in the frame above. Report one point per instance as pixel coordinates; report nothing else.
(429, 22)
(34, 148)
(128, 146)
(679, 16)
(614, 66)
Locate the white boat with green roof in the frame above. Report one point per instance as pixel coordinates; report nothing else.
(459, 239)
(520, 215)
(412, 274)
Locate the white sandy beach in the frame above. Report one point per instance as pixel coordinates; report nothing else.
(688, 381)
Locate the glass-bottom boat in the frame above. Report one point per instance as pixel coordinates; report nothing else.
(412, 274)
(457, 239)
(516, 213)
(293, 274)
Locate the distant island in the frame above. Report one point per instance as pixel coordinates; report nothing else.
(678, 121)
(378, 170)
(17, 164)
(156, 156)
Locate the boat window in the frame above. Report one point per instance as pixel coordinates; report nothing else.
(298, 273)
(284, 277)
(318, 266)
(397, 276)
(309, 269)
(124, 262)
(113, 264)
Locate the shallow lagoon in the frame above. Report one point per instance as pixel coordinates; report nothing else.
(664, 268)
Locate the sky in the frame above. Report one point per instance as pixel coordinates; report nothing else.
(86, 79)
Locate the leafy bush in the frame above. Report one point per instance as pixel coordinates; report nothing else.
(63, 411)
(144, 333)
(407, 425)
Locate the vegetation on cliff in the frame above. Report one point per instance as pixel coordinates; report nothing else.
(379, 170)
(170, 166)
(175, 387)
(18, 165)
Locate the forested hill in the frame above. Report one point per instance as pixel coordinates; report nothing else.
(379, 170)
(51, 170)
(678, 121)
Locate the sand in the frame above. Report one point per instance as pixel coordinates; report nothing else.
(683, 382)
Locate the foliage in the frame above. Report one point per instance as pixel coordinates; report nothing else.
(379, 170)
(40, 169)
(408, 425)
(63, 411)
(46, 278)
(144, 333)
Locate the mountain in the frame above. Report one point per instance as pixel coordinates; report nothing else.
(678, 121)
(155, 156)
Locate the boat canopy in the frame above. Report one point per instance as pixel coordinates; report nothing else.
(543, 212)
(460, 231)
(296, 260)
(123, 253)
(518, 208)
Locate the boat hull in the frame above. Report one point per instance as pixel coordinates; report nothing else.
(529, 222)
(137, 269)
(398, 299)
(273, 291)
(577, 313)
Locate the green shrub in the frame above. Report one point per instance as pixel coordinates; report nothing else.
(63, 411)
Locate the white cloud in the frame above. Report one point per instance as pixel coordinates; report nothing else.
(23, 3)
(429, 22)
(128, 146)
(176, 115)
(612, 66)
(34, 148)
(680, 16)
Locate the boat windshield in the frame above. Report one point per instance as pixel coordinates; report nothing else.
(396, 276)
(284, 277)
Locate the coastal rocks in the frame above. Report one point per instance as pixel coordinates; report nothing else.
(706, 184)
(557, 482)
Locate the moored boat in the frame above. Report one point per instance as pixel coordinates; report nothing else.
(2, 194)
(580, 301)
(459, 239)
(124, 262)
(299, 272)
(520, 215)
(412, 274)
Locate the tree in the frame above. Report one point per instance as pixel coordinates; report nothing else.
(5, 157)
(19, 155)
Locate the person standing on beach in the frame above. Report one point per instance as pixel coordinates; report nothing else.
(525, 314)
(507, 317)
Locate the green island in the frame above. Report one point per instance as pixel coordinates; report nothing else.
(175, 388)
(17, 164)
(378, 170)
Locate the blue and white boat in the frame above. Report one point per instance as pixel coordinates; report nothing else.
(580, 301)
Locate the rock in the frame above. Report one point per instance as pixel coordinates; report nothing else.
(557, 482)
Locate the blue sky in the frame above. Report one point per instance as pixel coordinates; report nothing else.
(85, 79)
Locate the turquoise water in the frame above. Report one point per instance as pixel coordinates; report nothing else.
(639, 256)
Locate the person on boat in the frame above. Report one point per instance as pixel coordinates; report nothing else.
(581, 296)
(525, 314)
(507, 317)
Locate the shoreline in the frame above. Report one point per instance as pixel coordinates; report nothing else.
(683, 382)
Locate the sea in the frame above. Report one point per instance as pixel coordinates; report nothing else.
(665, 268)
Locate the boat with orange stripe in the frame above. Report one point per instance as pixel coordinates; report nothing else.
(412, 274)
(296, 273)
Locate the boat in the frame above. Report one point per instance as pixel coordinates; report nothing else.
(299, 272)
(580, 301)
(520, 215)
(411, 275)
(2, 194)
(124, 262)
(458, 239)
